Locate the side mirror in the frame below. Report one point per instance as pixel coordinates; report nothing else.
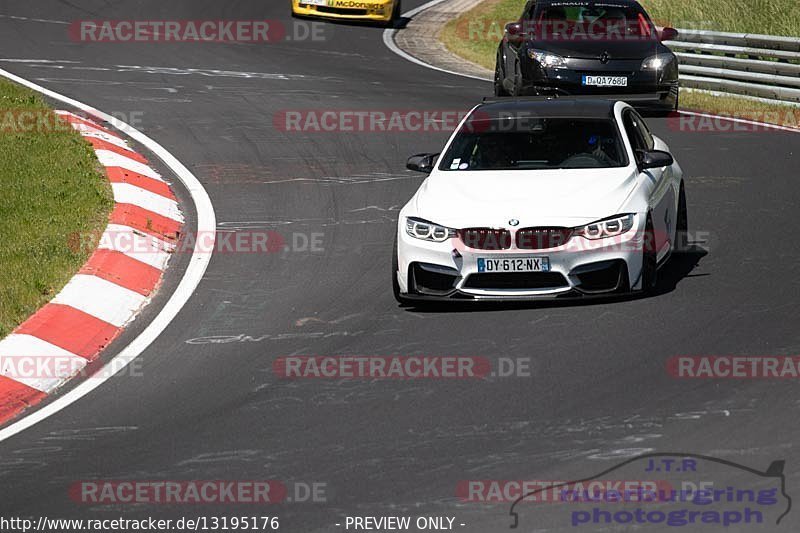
(654, 159)
(668, 34)
(515, 31)
(422, 162)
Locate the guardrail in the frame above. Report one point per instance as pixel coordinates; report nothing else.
(763, 66)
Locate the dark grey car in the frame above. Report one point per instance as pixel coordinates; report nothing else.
(588, 48)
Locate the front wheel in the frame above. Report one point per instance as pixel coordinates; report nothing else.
(395, 284)
(499, 77)
(682, 223)
(649, 258)
(397, 14)
(517, 90)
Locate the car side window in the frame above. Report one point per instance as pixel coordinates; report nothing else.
(527, 13)
(644, 131)
(632, 130)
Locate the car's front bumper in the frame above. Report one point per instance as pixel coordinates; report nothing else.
(377, 11)
(580, 268)
(644, 89)
(459, 296)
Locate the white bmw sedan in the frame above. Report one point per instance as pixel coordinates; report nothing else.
(536, 199)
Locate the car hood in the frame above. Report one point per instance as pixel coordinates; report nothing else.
(540, 197)
(593, 48)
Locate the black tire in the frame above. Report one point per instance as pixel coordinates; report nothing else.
(517, 91)
(669, 111)
(499, 76)
(649, 258)
(395, 284)
(682, 223)
(397, 13)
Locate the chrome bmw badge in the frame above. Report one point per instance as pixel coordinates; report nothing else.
(514, 222)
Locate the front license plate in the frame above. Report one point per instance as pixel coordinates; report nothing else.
(606, 81)
(315, 2)
(517, 264)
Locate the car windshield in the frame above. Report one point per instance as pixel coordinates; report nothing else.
(593, 18)
(535, 143)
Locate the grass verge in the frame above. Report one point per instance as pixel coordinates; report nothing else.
(53, 189)
(770, 17)
(730, 106)
(476, 34)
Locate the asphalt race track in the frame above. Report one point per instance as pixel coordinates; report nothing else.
(208, 406)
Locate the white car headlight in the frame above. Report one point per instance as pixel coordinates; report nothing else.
(547, 59)
(610, 227)
(428, 231)
(657, 62)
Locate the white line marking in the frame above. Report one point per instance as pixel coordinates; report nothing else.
(41, 61)
(28, 19)
(388, 40)
(136, 245)
(206, 223)
(108, 158)
(102, 299)
(86, 131)
(206, 72)
(37, 363)
(90, 121)
(64, 113)
(125, 193)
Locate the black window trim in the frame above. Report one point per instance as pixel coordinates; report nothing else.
(527, 12)
(635, 137)
(539, 6)
(645, 130)
(626, 161)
